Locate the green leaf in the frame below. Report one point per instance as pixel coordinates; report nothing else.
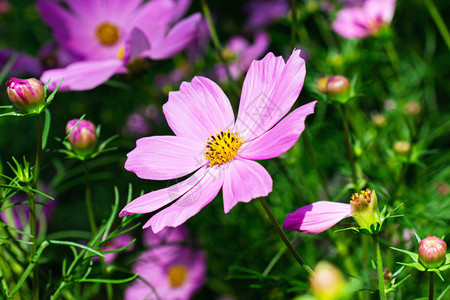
(441, 296)
(414, 265)
(9, 64)
(46, 129)
(14, 230)
(413, 255)
(67, 243)
(52, 95)
(437, 272)
(120, 249)
(111, 281)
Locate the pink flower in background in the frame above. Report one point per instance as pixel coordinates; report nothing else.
(261, 13)
(114, 244)
(317, 217)
(200, 114)
(141, 121)
(18, 216)
(174, 271)
(107, 35)
(368, 20)
(239, 54)
(24, 63)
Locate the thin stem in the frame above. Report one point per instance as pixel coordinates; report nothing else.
(431, 289)
(380, 268)
(312, 155)
(284, 238)
(348, 145)
(87, 188)
(393, 57)
(434, 12)
(294, 24)
(32, 197)
(217, 45)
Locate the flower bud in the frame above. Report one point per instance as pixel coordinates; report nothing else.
(83, 138)
(413, 108)
(432, 251)
(338, 87)
(402, 147)
(365, 210)
(379, 120)
(327, 283)
(321, 84)
(26, 94)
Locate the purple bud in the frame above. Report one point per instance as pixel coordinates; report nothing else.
(26, 94)
(338, 87)
(83, 138)
(432, 252)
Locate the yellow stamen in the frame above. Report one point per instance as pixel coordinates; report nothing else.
(108, 34)
(177, 275)
(366, 195)
(121, 53)
(222, 148)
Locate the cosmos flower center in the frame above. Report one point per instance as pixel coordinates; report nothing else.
(365, 197)
(177, 275)
(222, 147)
(108, 34)
(375, 26)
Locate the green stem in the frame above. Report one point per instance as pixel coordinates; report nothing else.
(393, 57)
(431, 290)
(348, 145)
(312, 155)
(294, 24)
(32, 197)
(218, 46)
(380, 268)
(439, 22)
(284, 238)
(87, 188)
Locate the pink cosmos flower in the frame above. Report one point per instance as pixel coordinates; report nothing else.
(174, 271)
(107, 35)
(114, 244)
(240, 53)
(360, 22)
(317, 217)
(264, 12)
(18, 216)
(220, 150)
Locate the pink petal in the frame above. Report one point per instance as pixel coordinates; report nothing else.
(181, 8)
(178, 38)
(317, 217)
(84, 75)
(383, 9)
(154, 18)
(190, 203)
(280, 138)
(244, 180)
(136, 43)
(351, 23)
(270, 89)
(157, 199)
(198, 110)
(165, 157)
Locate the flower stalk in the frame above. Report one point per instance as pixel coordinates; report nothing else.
(88, 199)
(348, 146)
(286, 241)
(431, 287)
(379, 267)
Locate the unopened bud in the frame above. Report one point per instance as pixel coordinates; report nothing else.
(327, 283)
(321, 84)
(432, 251)
(83, 138)
(379, 120)
(413, 108)
(402, 147)
(338, 87)
(26, 94)
(387, 276)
